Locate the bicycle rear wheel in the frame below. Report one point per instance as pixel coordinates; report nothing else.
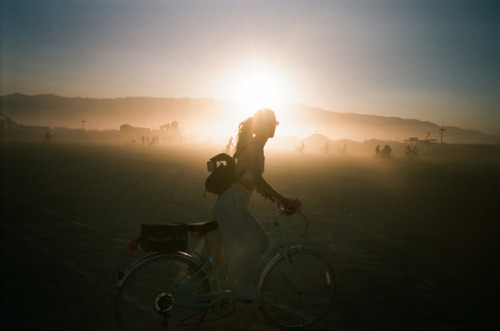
(159, 293)
(299, 290)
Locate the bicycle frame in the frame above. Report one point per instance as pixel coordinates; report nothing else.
(190, 281)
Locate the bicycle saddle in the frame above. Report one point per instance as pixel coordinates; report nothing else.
(202, 227)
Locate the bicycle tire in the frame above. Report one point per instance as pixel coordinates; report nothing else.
(148, 297)
(298, 293)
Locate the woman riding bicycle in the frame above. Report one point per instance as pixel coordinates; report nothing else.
(244, 240)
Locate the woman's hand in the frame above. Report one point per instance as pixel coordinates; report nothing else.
(285, 202)
(291, 206)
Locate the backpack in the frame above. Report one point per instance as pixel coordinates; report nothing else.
(222, 167)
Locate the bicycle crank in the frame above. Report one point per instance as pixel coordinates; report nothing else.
(224, 307)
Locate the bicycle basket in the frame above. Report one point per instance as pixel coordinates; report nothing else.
(163, 238)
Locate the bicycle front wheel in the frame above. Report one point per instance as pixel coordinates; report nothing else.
(299, 290)
(163, 291)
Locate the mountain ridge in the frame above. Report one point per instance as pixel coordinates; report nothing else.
(205, 114)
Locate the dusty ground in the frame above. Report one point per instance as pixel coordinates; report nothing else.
(415, 244)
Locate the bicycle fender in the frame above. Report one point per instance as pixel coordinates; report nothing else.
(149, 258)
(274, 260)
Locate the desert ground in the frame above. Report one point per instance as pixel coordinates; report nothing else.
(414, 243)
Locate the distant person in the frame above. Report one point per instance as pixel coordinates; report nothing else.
(142, 139)
(243, 238)
(301, 148)
(386, 152)
(47, 136)
(408, 151)
(229, 146)
(377, 150)
(415, 150)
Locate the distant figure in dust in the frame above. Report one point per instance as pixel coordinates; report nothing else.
(377, 151)
(386, 152)
(301, 148)
(229, 146)
(415, 151)
(142, 139)
(48, 136)
(408, 151)
(243, 238)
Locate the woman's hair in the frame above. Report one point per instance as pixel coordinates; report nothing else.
(245, 135)
(249, 126)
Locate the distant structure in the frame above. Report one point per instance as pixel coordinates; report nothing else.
(442, 130)
(167, 133)
(414, 140)
(7, 125)
(132, 134)
(427, 140)
(170, 132)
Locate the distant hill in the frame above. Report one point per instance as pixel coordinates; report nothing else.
(211, 116)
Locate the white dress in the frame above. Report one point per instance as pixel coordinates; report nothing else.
(243, 238)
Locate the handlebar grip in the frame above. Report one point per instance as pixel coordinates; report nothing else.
(296, 206)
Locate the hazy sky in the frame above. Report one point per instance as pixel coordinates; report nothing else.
(431, 60)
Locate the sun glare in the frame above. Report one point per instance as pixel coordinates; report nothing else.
(254, 88)
(259, 90)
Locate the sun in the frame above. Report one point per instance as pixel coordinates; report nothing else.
(255, 87)
(259, 89)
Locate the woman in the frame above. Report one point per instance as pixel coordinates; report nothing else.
(243, 237)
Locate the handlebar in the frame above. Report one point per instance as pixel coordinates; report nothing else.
(295, 206)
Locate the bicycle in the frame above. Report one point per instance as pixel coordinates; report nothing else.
(174, 288)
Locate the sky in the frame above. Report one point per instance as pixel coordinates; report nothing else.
(433, 60)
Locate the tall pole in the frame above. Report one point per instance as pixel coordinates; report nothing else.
(443, 130)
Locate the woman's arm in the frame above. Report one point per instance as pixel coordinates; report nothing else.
(261, 185)
(266, 190)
